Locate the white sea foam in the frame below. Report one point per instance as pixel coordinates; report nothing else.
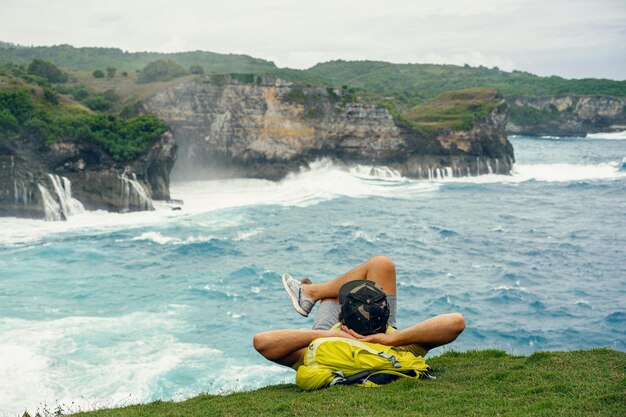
(361, 235)
(548, 173)
(89, 360)
(157, 237)
(320, 181)
(247, 234)
(608, 135)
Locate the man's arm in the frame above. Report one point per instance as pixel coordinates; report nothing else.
(287, 346)
(429, 334)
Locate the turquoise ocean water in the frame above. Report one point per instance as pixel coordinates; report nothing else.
(109, 309)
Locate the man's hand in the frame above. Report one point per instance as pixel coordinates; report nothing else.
(342, 333)
(381, 338)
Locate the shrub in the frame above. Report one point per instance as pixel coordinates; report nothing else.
(50, 96)
(243, 78)
(98, 74)
(19, 103)
(47, 70)
(196, 69)
(161, 70)
(100, 101)
(111, 72)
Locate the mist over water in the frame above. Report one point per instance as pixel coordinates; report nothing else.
(107, 309)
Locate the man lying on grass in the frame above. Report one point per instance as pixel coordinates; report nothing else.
(360, 304)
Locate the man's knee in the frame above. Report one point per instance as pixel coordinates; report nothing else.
(457, 323)
(260, 343)
(381, 262)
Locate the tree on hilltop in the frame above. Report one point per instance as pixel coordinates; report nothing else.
(196, 69)
(161, 70)
(47, 70)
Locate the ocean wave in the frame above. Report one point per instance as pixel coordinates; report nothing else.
(158, 238)
(89, 360)
(319, 181)
(559, 172)
(607, 135)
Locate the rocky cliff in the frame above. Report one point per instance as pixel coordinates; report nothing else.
(54, 181)
(566, 116)
(265, 127)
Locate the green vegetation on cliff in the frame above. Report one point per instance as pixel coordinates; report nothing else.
(411, 82)
(458, 110)
(485, 383)
(30, 110)
(89, 59)
(407, 90)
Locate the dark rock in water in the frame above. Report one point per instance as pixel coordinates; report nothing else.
(53, 181)
(269, 127)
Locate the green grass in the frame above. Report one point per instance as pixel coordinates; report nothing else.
(457, 110)
(474, 383)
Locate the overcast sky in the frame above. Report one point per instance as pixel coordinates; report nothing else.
(570, 38)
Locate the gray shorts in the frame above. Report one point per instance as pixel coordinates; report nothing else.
(327, 313)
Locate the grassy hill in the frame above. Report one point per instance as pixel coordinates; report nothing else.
(89, 59)
(481, 383)
(424, 96)
(409, 83)
(412, 82)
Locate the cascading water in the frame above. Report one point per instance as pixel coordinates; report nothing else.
(63, 188)
(133, 193)
(61, 205)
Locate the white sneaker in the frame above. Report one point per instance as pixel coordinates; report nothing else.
(294, 291)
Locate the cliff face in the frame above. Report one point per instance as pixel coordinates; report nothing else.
(568, 115)
(265, 127)
(55, 181)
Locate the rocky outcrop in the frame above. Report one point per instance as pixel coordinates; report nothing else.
(53, 181)
(265, 127)
(566, 116)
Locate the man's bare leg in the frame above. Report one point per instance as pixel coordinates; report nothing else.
(379, 269)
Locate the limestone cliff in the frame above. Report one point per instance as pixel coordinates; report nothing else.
(266, 127)
(567, 115)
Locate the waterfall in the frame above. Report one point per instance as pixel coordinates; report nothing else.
(51, 206)
(61, 205)
(21, 194)
(489, 167)
(63, 189)
(133, 194)
(376, 171)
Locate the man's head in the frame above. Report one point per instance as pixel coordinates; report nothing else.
(364, 307)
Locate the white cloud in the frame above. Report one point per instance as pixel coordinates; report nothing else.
(502, 33)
